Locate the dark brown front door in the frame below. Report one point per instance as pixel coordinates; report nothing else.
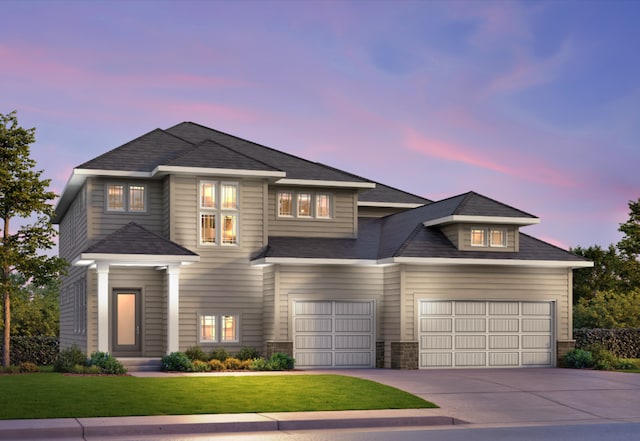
(126, 324)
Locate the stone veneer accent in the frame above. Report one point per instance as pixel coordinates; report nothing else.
(404, 355)
(380, 354)
(562, 347)
(285, 347)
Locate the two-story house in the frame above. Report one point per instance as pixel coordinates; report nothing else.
(190, 236)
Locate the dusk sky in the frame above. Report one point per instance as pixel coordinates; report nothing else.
(533, 103)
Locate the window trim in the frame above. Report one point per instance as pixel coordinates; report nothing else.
(503, 244)
(218, 323)
(219, 213)
(487, 233)
(126, 199)
(313, 205)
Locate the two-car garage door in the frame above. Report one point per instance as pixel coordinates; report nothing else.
(333, 334)
(485, 333)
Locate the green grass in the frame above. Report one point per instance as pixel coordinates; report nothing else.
(51, 395)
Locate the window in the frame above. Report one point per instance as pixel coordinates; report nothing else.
(478, 237)
(491, 237)
(218, 213)
(218, 328)
(285, 204)
(126, 198)
(498, 237)
(304, 205)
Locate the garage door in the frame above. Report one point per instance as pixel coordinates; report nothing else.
(485, 334)
(333, 334)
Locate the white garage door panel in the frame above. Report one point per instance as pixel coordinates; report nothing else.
(461, 333)
(334, 334)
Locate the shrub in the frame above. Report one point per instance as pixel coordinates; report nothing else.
(26, 367)
(107, 363)
(216, 365)
(622, 342)
(201, 366)
(578, 359)
(259, 364)
(37, 349)
(232, 364)
(177, 361)
(247, 353)
(281, 362)
(68, 358)
(196, 353)
(245, 365)
(13, 369)
(219, 354)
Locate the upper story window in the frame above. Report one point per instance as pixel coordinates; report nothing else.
(126, 198)
(489, 237)
(304, 204)
(218, 213)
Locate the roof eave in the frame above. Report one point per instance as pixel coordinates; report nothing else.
(502, 220)
(497, 262)
(89, 259)
(167, 169)
(324, 183)
(390, 204)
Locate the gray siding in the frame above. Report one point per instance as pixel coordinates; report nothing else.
(392, 305)
(453, 233)
(223, 281)
(489, 283)
(512, 238)
(342, 225)
(104, 223)
(269, 303)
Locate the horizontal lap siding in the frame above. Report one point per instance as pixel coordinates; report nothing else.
(391, 323)
(104, 223)
(490, 283)
(328, 282)
(222, 281)
(269, 303)
(343, 223)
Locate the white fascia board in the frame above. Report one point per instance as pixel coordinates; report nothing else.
(495, 262)
(482, 220)
(389, 204)
(218, 171)
(319, 183)
(87, 259)
(112, 173)
(311, 261)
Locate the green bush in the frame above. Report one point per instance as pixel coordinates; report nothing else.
(196, 353)
(68, 358)
(578, 359)
(38, 350)
(107, 363)
(219, 354)
(281, 362)
(177, 362)
(247, 353)
(13, 369)
(623, 343)
(259, 364)
(246, 365)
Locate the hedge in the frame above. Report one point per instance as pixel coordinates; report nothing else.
(623, 343)
(37, 349)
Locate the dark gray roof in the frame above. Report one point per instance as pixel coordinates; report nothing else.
(472, 204)
(210, 154)
(142, 154)
(384, 193)
(296, 168)
(134, 239)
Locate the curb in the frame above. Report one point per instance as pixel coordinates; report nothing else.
(86, 428)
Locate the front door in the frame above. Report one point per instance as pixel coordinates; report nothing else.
(126, 324)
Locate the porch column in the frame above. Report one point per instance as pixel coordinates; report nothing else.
(173, 304)
(103, 306)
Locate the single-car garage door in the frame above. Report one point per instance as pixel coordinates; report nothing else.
(485, 333)
(333, 334)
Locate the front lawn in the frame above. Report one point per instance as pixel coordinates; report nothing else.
(52, 395)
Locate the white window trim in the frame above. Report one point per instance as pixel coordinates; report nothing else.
(218, 331)
(504, 237)
(125, 197)
(313, 215)
(487, 237)
(219, 213)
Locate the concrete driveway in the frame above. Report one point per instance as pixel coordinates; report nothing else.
(520, 396)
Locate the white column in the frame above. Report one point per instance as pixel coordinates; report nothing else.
(173, 304)
(103, 306)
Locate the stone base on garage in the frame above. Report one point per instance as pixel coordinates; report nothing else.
(284, 347)
(404, 355)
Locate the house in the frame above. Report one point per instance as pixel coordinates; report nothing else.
(190, 236)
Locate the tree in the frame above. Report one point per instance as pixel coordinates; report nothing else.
(608, 310)
(629, 246)
(35, 310)
(23, 197)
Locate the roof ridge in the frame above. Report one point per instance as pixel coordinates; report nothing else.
(405, 243)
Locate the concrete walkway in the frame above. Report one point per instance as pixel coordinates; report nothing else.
(477, 396)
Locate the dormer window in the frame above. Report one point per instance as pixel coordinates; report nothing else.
(126, 198)
(488, 237)
(304, 205)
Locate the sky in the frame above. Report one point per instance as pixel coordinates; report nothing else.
(533, 103)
